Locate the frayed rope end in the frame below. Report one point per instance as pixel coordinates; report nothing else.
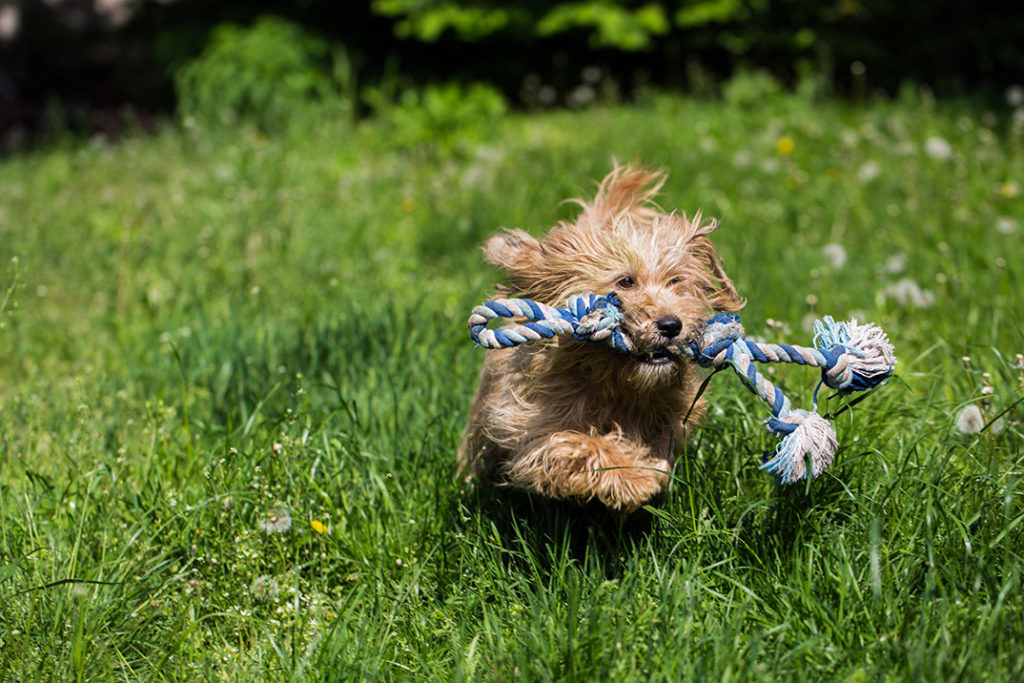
(802, 433)
(863, 355)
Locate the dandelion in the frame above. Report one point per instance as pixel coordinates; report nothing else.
(277, 521)
(896, 263)
(906, 292)
(868, 171)
(264, 588)
(937, 148)
(1009, 189)
(1006, 225)
(785, 145)
(970, 420)
(1015, 95)
(581, 96)
(318, 526)
(835, 254)
(998, 426)
(743, 159)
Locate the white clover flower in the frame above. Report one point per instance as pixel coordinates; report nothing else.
(937, 148)
(970, 420)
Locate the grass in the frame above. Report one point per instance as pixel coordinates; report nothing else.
(209, 333)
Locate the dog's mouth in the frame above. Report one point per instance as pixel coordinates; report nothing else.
(655, 357)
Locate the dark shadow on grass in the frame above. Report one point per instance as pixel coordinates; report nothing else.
(545, 534)
(796, 515)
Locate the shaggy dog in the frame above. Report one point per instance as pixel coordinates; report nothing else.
(578, 421)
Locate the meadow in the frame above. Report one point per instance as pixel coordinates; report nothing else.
(234, 370)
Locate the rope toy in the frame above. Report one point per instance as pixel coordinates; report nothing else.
(852, 357)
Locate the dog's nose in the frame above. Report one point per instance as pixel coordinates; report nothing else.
(669, 326)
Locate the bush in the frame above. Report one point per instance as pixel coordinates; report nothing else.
(442, 115)
(258, 74)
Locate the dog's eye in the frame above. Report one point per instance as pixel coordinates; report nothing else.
(674, 281)
(625, 283)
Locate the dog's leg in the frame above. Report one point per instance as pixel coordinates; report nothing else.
(618, 472)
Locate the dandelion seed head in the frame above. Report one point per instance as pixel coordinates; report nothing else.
(1006, 225)
(264, 588)
(906, 292)
(1015, 95)
(277, 521)
(937, 148)
(868, 171)
(743, 159)
(970, 420)
(896, 263)
(835, 254)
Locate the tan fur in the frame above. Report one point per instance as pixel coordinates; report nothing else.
(576, 421)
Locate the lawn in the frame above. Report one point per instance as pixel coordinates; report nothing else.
(234, 370)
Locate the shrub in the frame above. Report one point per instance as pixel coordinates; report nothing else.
(444, 115)
(258, 73)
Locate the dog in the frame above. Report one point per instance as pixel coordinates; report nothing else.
(576, 421)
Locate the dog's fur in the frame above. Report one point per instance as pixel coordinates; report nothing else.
(578, 421)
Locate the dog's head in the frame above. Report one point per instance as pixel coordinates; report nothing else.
(662, 265)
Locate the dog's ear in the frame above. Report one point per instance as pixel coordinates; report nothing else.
(721, 292)
(515, 252)
(723, 295)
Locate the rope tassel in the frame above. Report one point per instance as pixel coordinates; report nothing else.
(802, 434)
(852, 357)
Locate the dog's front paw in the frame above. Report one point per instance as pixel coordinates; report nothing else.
(624, 488)
(575, 466)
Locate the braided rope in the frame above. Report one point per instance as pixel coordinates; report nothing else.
(852, 357)
(586, 317)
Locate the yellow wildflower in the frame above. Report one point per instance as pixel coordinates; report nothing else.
(318, 526)
(785, 145)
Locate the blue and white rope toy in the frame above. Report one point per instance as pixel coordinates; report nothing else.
(852, 357)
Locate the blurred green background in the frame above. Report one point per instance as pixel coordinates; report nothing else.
(99, 66)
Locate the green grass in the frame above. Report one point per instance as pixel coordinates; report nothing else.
(206, 327)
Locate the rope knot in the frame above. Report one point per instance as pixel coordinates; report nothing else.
(720, 332)
(597, 317)
(859, 356)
